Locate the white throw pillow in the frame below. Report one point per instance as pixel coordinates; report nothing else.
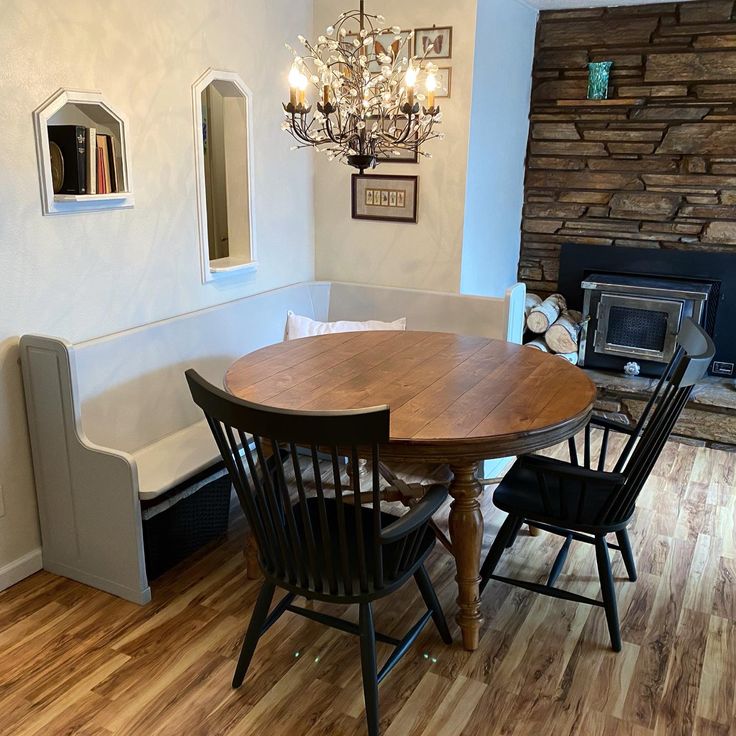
(298, 326)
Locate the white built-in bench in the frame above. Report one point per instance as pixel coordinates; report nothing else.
(112, 423)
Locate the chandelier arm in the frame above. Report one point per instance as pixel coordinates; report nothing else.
(340, 140)
(299, 136)
(301, 132)
(403, 136)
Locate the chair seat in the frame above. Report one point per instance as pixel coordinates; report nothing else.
(520, 494)
(392, 553)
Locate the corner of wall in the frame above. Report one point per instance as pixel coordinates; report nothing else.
(502, 74)
(14, 571)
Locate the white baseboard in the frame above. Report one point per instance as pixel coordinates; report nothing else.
(24, 566)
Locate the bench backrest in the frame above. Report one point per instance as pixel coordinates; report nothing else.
(130, 387)
(435, 311)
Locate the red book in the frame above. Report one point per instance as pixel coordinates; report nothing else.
(100, 172)
(103, 154)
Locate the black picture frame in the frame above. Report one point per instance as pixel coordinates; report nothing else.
(446, 53)
(407, 214)
(410, 159)
(440, 95)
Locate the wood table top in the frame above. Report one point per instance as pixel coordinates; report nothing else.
(451, 396)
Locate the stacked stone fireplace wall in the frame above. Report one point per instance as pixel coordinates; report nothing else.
(654, 166)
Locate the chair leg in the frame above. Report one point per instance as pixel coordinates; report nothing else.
(559, 562)
(260, 613)
(497, 549)
(368, 666)
(430, 600)
(517, 529)
(608, 591)
(624, 543)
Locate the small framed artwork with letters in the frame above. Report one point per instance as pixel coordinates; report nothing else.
(385, 197)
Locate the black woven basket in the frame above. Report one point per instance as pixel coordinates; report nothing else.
(176, 532)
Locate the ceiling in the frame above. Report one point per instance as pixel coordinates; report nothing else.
(561, 4)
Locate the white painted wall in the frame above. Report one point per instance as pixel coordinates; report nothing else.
(504, 53)
(86, 275)
(428, 254)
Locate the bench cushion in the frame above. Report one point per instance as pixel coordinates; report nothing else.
(299, 326)
(174, 459)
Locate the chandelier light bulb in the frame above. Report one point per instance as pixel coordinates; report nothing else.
(297, 85)
(294, 75)
(411, 80)
(431, 85)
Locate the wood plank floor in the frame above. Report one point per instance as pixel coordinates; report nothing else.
(77, 661)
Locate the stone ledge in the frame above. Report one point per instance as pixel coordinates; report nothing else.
(709, 418)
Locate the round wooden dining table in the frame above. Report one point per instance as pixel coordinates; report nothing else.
(454, 399)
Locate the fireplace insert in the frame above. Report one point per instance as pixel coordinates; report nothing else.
(637, 318)
(634, 300)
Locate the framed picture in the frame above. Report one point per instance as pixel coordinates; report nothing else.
(387, 43)
(433, 43)
(444, 81)
(385, 197)
(400, 156)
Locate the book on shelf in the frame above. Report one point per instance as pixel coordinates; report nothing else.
(112, 155)
(100, 171)
(84, 161)
(91, 160)
(108, 180)
(103, 179)
(69, 142)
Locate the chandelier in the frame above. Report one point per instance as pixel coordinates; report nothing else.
(369, 105)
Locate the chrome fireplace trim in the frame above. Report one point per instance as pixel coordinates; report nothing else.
(652, 307)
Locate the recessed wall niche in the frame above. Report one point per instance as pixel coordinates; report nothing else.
(98, 124)
(223, 113)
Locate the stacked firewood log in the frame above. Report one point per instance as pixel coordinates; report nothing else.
(554, 327)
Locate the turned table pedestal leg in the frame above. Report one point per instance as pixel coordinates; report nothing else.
(466, 532)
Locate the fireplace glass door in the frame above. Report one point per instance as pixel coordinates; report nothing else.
(639, 328)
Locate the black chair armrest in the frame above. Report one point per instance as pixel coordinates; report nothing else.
(614, 426)
(419, 514)
(559, 467)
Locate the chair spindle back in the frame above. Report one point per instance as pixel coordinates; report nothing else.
(287, 470)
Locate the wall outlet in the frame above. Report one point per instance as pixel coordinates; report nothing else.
(2, 503)
(722, 369)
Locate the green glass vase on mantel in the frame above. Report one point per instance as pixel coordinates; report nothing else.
(598, 75)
